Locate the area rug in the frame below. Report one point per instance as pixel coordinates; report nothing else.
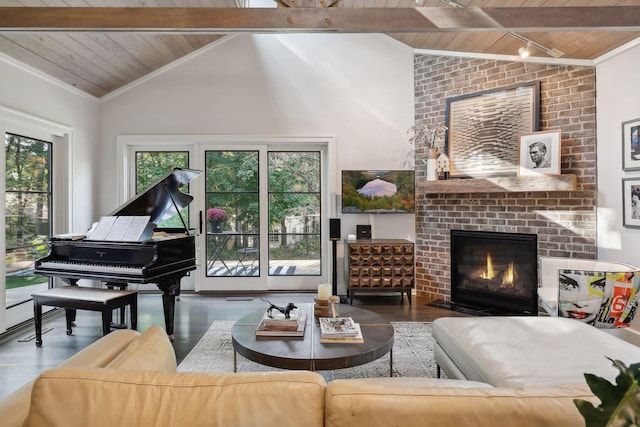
(412, 354)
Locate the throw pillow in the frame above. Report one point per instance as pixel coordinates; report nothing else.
(600, 298)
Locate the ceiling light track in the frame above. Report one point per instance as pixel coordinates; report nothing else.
(552, 52)
(523, 51)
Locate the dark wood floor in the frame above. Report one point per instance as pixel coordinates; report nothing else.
(21, 361)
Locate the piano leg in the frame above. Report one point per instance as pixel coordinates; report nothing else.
(121, 286)
(169, 305)
(70, 314)
(133, 309)
(37, 315)
(170, 290)
(72, 282)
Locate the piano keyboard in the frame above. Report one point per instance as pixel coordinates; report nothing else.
(102, 268)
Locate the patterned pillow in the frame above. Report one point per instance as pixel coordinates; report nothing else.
(601, 298)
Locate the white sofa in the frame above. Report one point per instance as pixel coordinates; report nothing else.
(548, 276)
(532, 351)
(526, 351)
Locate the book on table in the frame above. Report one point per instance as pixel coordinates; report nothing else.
(274, 319)
(278, 330)
(338, 327)
(357, 338)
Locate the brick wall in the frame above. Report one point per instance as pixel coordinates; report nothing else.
(565, 222)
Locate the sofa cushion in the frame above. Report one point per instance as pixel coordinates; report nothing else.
(418, 382)
(360, 403)
(529, 351)
(15, 407)
(103, 351)
(151, 351)
(106, 397)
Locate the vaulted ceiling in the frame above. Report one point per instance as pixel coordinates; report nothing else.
(99, 46)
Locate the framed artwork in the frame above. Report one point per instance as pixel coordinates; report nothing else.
(631, 145)
(631, 202)
(539, 153)
(483, 128)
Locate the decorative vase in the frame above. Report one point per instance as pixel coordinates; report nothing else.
(432, 165)
(216, 226)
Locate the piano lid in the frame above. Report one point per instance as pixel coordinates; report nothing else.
(162, 199)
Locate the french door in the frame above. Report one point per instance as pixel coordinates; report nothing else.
(262, 216)
(261, 206)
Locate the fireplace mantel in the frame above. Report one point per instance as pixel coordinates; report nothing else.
(565, 182)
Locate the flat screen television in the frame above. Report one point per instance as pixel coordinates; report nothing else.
(378, 191)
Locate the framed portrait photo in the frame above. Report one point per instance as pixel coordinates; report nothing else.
(631, 145)
(631, 202)
(539, 153)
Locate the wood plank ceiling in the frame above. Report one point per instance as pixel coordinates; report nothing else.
(99, 62)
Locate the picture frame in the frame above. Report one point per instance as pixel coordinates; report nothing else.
(631, 145)
(539, 153)
(631, 202)
(483, 127)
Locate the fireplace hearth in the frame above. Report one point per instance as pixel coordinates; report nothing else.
(494, 272)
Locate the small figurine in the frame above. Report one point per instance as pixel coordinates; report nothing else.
(284, 310)
(333, 300)
(443, 166)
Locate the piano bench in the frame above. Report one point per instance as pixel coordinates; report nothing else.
(73, 298)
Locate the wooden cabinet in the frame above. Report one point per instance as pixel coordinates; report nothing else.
(380, 265)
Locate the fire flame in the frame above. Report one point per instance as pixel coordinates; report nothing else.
(508, 277)
(489, 274)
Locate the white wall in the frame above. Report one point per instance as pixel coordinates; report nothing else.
(617, 100)
(45, 98)
(32, 103)
(357, 88)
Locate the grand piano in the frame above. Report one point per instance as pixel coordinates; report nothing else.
(156, 255)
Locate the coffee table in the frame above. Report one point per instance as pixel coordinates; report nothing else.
(307, 352)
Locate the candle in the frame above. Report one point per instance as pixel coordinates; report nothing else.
(324, 291)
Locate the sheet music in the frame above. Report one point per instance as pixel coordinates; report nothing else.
(120, 228)
(101, 229)
(137, 226)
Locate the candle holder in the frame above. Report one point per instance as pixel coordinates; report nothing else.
(321, 308)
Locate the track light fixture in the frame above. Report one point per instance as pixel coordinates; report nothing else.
(552, 52)
(524, 52)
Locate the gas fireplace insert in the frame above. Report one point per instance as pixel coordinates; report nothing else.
(493, 271)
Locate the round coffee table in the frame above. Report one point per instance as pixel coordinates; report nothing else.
(307, 352)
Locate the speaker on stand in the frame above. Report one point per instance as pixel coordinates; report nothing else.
(334, 236)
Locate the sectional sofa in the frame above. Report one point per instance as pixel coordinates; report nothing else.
(127, 378)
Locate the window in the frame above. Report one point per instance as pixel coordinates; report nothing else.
(27, 214)
(294, 213)
(151, 166)
(233, 213)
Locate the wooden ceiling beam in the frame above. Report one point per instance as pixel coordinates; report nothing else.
(355, 20)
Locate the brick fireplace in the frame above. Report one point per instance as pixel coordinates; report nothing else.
(563, 221)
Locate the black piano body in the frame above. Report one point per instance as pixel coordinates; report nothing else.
(164, 258)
